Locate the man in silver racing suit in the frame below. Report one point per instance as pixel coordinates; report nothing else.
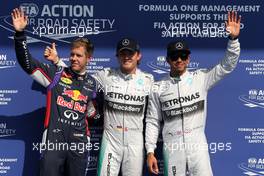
(125, 90)
(180, 100)
(125, 93)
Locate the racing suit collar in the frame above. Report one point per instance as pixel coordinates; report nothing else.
(129, 76)
(79, 76)
(179, 78)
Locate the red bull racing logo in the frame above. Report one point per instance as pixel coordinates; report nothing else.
(74, 103)
(76, 95)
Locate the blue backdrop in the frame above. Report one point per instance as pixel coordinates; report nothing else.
(235, 124)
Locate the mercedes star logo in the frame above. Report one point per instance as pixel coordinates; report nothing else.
(125, 42)
(179, 45)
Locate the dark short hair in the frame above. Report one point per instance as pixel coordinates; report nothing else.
(84, 42)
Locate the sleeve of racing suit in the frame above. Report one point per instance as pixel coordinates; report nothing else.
(42, 73)
(99, 101)
(91, 110)
(153, 119)
(61, 63)
(99, 77)
(226, 65)
(96, 109)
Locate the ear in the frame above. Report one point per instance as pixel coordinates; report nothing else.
(168, 60)
(88, 58)
(139, 56)
(188, 60)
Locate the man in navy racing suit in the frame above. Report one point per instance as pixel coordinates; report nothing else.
(69, 102)
(180, 100)
(125, 90)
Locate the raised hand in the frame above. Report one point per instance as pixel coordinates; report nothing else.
(19, 19)
(233, 24)
(51, 53)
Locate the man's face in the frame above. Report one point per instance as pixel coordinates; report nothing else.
(179, 62)
(128, 60)
(79, 59)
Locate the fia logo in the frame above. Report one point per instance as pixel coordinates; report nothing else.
(255, 98)
(30, 9)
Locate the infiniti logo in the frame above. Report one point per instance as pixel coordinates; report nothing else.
(71, 114)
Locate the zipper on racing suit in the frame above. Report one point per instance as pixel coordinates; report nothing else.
(177, 81)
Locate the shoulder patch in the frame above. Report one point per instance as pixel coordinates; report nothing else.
(148, 75)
